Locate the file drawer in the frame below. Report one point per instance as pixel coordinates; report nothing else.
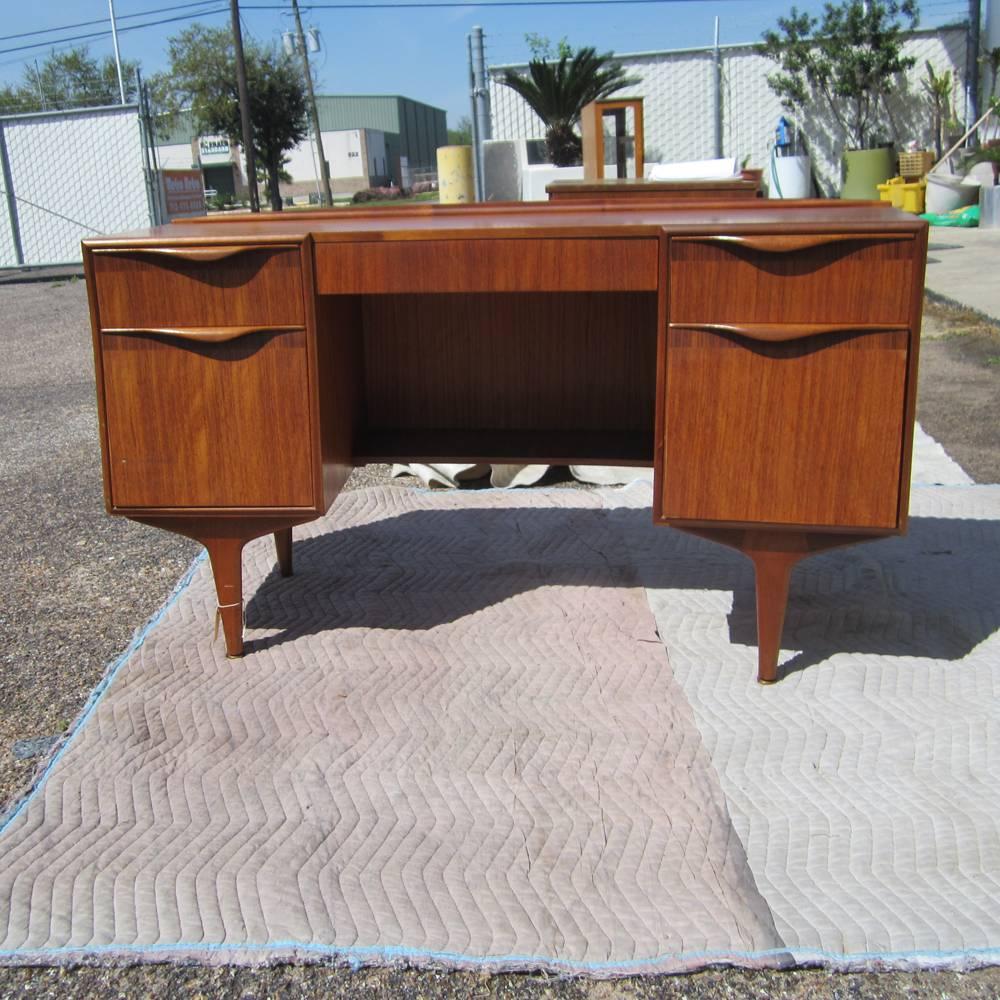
(208, 419)
(804, 431)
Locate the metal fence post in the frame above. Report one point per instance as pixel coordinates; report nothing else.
(146, 132)
(8, 186)
(972, 72)
(477, 167)
(717, 84)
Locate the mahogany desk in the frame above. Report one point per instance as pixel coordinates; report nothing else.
(762, 357)
(617, 188)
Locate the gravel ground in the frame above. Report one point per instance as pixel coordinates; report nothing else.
(78, 583)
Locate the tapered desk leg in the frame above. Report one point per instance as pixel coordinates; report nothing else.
(226, 555)
(283, 544)
(224, 537)
(774, 553)
(772, 570)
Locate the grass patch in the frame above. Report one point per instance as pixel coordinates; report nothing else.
(955, 321)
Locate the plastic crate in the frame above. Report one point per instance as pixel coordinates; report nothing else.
(915, 164)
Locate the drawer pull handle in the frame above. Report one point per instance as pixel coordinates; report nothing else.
(792, 243)
(779, 332)
(186, 253)
(202, 334)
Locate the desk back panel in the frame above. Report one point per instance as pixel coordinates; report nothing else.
(518, 362)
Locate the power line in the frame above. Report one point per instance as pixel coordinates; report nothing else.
(423, 4)
(102, 34)
(104, 20)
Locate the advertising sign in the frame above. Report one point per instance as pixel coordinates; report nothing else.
(182, 193)
(214, 149)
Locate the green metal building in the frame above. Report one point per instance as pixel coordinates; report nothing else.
(413, 130)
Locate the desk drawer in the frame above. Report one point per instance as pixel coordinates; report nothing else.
(208, 419)
(199, 286)
(804, 278)
(802, 431)
(488, 265)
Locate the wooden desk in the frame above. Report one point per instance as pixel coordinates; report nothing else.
(615, 189)
(761, 357)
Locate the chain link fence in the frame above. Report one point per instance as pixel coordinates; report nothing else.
(679, 105)
(67, 175)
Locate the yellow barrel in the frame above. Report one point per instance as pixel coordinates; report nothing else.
(455, 174)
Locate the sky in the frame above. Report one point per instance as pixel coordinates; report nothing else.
(420, 52)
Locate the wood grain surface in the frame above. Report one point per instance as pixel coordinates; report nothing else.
(257, 287)
(208, 425)
(610, 189)
(852, 280)
(527, 362)
(537, 265)
(804, 432)
(340, 368)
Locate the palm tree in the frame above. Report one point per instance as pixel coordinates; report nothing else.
(558, 92)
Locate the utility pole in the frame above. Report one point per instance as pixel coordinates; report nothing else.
(323, 166)
(241, 82)
(482, 126)
(118, 58)
(482, 85)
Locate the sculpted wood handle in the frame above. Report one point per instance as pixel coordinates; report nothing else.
(186, 253)
(778, 332)
(790, 243)
(203, 334)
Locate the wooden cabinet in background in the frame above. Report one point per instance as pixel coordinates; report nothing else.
(626, 143)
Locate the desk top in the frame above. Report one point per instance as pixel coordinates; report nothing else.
(512, 220)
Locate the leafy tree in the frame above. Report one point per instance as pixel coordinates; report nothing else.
(461, 135)
(848, 59)
(72, 79)
(202, 77)
(558, 92)
(940, 92)
(540, 46)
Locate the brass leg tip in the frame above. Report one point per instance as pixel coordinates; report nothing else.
(761, 680)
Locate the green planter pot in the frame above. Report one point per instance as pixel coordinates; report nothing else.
(864, 170)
